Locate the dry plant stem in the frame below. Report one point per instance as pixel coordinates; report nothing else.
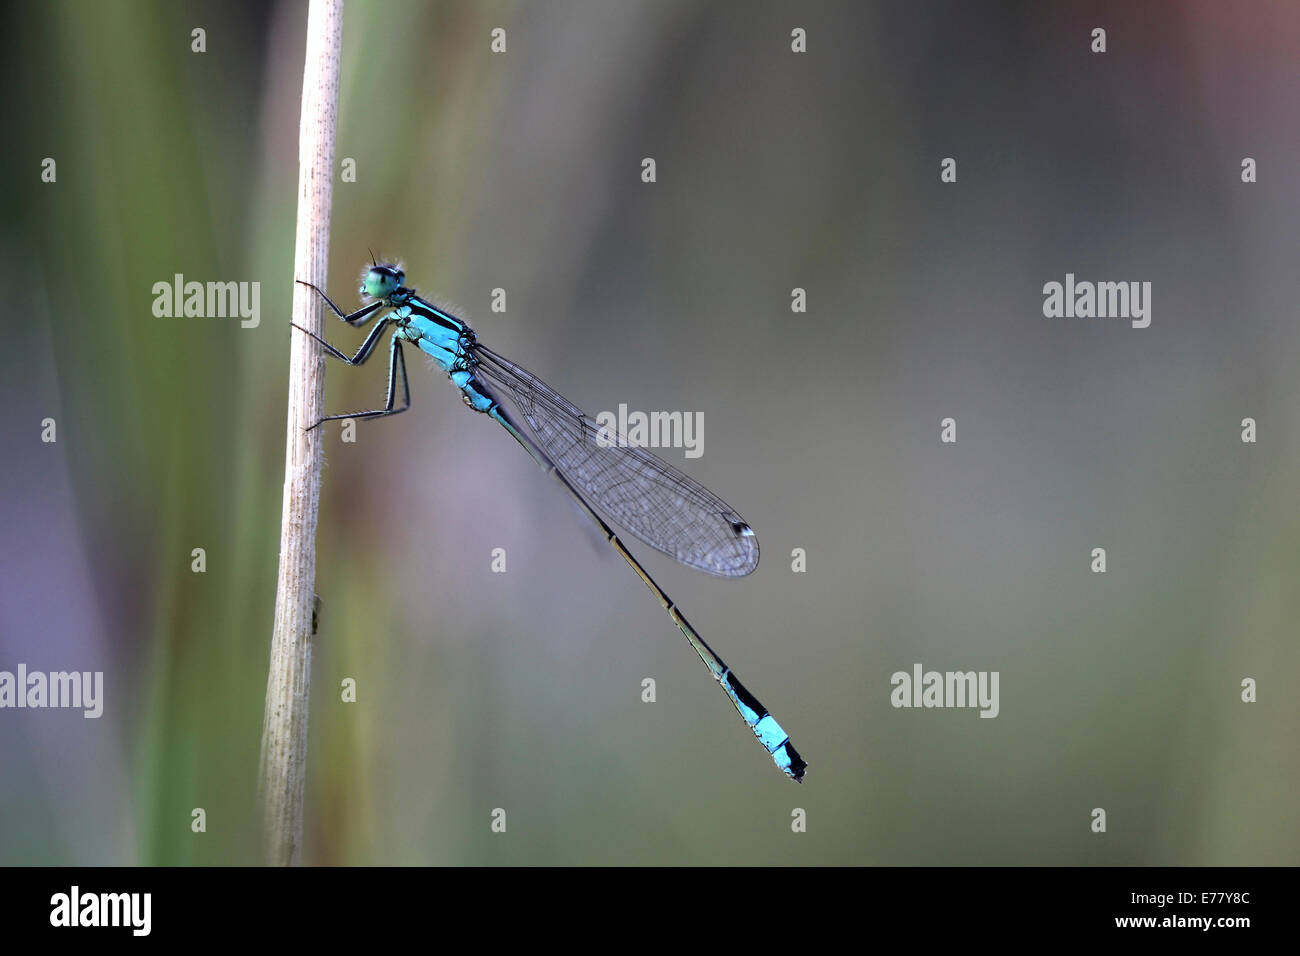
(283, 770)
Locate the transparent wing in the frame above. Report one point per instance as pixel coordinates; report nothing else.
(666, 509)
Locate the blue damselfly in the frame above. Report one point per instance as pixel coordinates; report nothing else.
(663, 507)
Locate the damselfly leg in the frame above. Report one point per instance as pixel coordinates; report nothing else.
(397, 360)
(355, 319)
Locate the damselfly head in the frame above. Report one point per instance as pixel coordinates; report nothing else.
(382, 280)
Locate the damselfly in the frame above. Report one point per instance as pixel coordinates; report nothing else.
(649, 497)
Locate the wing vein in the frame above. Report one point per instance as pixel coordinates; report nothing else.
(662, 506)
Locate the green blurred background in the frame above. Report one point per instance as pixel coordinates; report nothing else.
(775, 170)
